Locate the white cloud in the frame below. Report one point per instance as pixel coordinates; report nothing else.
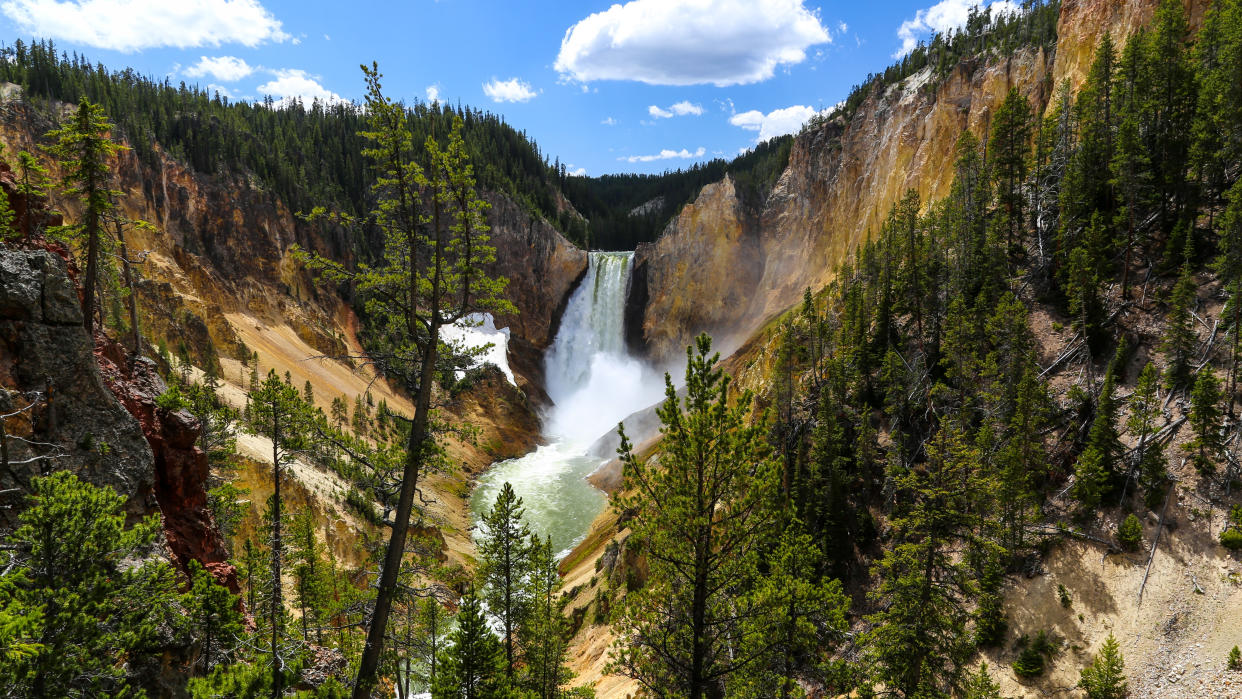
(433, 93)
(690, 42)
(224, 68)
(575, 171)
(511, 90)
(134, 25)
(943, 16)
(290, 83)
(224, 91)
(778, 122)
(666, 154)
(682, 108)
(842, 27)
(609, 122)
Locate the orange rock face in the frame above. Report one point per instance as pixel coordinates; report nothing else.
(717, 269)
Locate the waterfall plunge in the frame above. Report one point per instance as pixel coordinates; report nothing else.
(593, 383)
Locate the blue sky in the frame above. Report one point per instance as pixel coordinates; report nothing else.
(637, 86)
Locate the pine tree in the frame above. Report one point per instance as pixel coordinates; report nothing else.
(472, 667)
(981, 686)
(1217, 131)
(1105, 678)
(32, 183)
(84, 607)
(545, 628)
(1082, 287)
(1103, 435)
(1205, 422)
(918, 645)
(802, 616)
(428, 639)
(1019, 462)
(1149, 458)
(1130, 167)
(436, 249)
(1229, 268)
(85, 149)
(701, 511)
(311, 584)
(506, 550)
(1090, 478)
(277, 413)
(212, 612)
(1171, 106)
(1130, 533)
(1180, 338)
(1009, 151)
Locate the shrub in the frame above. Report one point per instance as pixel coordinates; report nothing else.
(1064, 596)
(1032, 658)
(1130, 533)
(1235, 659)
(1231, 539)
(171, 400)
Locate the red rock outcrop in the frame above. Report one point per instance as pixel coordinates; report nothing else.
(181, 468)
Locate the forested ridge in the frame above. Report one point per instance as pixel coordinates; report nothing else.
(309, 154)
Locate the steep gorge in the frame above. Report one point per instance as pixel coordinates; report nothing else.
(724, 269)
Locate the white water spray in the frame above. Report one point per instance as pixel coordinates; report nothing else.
(594, 383)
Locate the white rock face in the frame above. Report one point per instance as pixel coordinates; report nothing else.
(477, 330)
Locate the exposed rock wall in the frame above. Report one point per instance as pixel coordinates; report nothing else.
(697, 276)
(542, 268)
(717, 270)
(105, 423)
(181, 468)
(46, 358)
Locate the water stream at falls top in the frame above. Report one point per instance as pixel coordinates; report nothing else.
(593, 383)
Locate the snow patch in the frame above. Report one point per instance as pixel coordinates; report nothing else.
(477, 330)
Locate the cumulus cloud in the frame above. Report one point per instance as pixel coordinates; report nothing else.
(682, 108)
(609, 122)
(433, 93)
(511, 90)
(291, 84)
(943, 16)
(134, 25)
(666, 154)
(575, 171)
(690, 42)
(775, 123)
(224, 68)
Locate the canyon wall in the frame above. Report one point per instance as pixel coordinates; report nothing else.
(719, 269)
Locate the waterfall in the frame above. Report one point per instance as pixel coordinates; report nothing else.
(593, 383)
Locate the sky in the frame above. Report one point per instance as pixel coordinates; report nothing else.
(637, 86)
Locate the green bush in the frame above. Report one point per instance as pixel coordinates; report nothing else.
(1035, 652)
(171, 400)
(1130, 533)
(1235, 659)
(1231, 539)
(1064, 595)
